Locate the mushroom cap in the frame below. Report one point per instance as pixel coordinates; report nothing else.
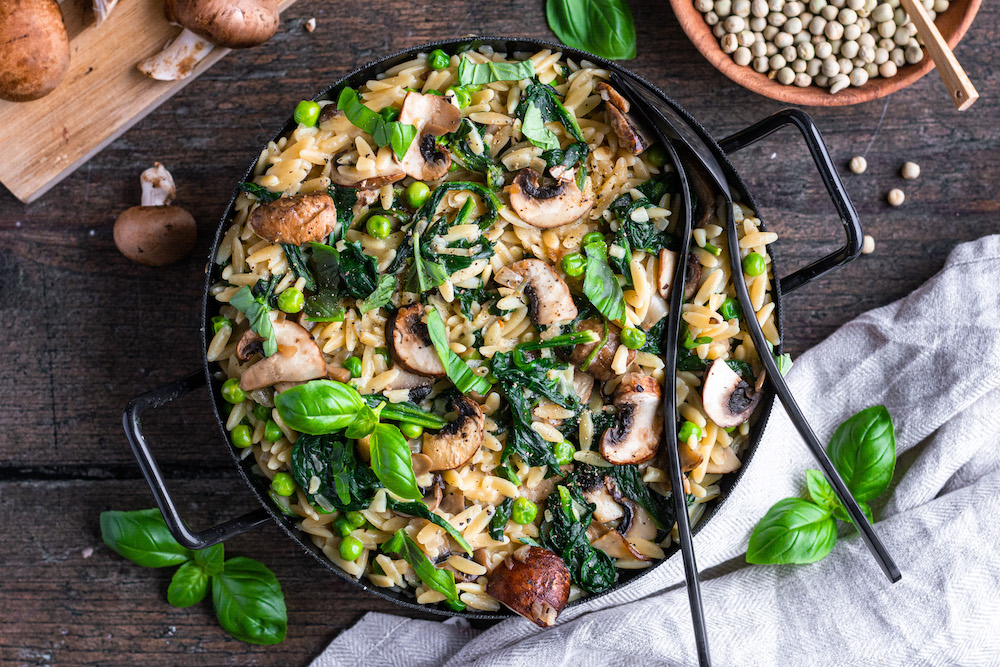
(728, 399)
(532, 582)
(298, 358)
(600, 367)
(296, 220)
(418, 385)
(547, 206)
(430, 114)
(424, 161)
(636, 434)
(233, 24)
(458, 441)
(250, 343)
(410, 344)
(692, 275)
(550, 297)
(34, 49)
(630, 137)
(155, 235)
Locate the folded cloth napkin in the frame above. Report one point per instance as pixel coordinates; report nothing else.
(933, 359)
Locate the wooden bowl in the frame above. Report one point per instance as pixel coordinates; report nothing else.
(953, 23)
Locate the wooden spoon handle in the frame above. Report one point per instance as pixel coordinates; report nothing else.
(962, 92)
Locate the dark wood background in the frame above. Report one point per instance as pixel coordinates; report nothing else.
(85, 329)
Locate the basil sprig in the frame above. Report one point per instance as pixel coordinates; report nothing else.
(863, 450)
(394, 134)
(601, 287)
(603, 27)
(470, 73)
(442, 581)
(256, 309)
(247, 596)
(391, 461)
(456, 369)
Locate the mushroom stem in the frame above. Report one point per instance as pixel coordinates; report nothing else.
(157, 186)
(178, 58)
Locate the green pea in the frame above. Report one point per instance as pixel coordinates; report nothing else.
(730, 309)
(291, 300)
(307, 113)
(524, 511)
(231, 391)
(411, 430)
(342, 526)
(283, 484)
(272, 433)
(355, 519)
(378, 227)
(462, 96)
(438, 59)
(754, 264)
(563, 451)
(241, 436)
(261, 412)
(689, 429)
(351, 548)
(574, 264)
(353, 366)
(633, 338)
(219, 322)
(389, 114)
(592, 237)
(657, 155)
(417, 193)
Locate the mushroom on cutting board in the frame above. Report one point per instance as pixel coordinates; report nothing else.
(546, 206)
(600, 366)
(232, 24)
(155, 233)
(635, 436)
(34, 49)
(459, 440)
(728, 399)
(549, 294)
(433, 116)
(532, 582)
(410, 344)
(295, 220)
(298, 358)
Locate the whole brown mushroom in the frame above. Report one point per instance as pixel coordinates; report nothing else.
(34, 49)
(155, 233)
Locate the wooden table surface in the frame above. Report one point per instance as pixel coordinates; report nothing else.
(85, 329)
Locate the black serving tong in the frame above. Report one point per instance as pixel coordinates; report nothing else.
(670, 401)
(705, 156)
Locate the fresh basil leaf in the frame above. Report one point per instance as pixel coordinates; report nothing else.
(545, 100)
(534, 130)
(398, 136)
(327, 470)
(364, 424)
(383, 292)
(188, 586)
(319, 406)
(142, 537)
(784, 363)
(407, 412)
(442, 581)
(863, 449)
(488, 72)
(822, 493)
(394, 134)
(256, 312)
(792, 531)
(603, 27)
(601, 287)
(249, 603)
(456, 369)
(392, 462)
(297, 263)
(211, 558)
(499, 520)
(260, 192)
(419, 509)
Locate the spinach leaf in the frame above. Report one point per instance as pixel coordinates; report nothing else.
(656, 338)
(391, 461)
(521, 438)
(456, 369)
(260, 192)
(421, 510)
(442, 581)
(249, 603)
(383, 292)
(188, 586)
(211, 558)
(256, 310)
(345, 199)
(499, 521)
(358, 271)
(326, 266)
(321, 406)
(457, 144)
(488, 72)
(324, 307)
(863, 449)
(601, 286)
(341, 481)
(517, 374)
(142, 537)
(407, 412)
(741, 368)
(603, 27)
(792, 531)
(297, 263)
(566, 534)
(823, 495)
(544, 98)
(489, 199)
(573, 157)
(468, 296)
(628, 479)
(394, 134)
(425, 273)
(482, 248)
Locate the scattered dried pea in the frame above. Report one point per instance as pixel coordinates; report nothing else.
(910, 170)
(869, 245)
(896, 197)
(858, 164)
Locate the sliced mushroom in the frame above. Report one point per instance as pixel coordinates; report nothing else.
(728, 399)
(547, 206)
(251, 343)
(453, 502)
(637, 432)
(295, 220)
(640, 525)
(689, 458)
(433, 495)
(347, 175)
(532, 582)
(615, 545)
(539, 492)
(730, 463)
(600, 366)
(705, 194)
(458, 441)
(424, 161)
(583, 385)
(616, 108)
(433, 116)
(692, 275)
(665, 275)
(418, 385)
(410, 343)
(298, 358)
(549, 294)
(606, 507)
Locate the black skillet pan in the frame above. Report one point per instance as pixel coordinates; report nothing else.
(132, 416)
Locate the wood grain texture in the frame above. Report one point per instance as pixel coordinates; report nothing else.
(85, 329)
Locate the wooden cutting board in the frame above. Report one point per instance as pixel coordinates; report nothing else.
(102, 96)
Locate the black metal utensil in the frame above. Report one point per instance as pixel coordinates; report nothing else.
(831, 180)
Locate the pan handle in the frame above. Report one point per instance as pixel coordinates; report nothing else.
(132, 422)
(831, 179)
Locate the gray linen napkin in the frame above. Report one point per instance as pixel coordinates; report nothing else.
(933, 359)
